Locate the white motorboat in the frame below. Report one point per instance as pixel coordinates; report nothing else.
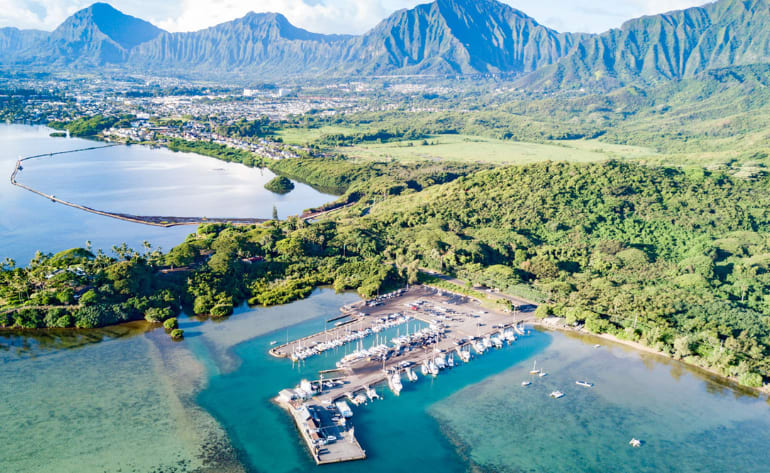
(394, 381)
(557, 394)
(585, 384)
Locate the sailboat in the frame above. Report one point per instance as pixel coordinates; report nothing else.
(534, 369)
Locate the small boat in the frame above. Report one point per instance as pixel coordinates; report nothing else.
(534, 369)
(450, 362)
(597, 346)
(585, 384)
(440, 361)
(636, 443)
(273, 343)
(394, 381)
(526, 383)
(371, 394)
(542, 374)
(432, 368)
(411, 375)
(425, 369)
(557, 394)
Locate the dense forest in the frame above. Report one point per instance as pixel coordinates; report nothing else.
(677, 261)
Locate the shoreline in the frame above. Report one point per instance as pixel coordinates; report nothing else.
(558, 324)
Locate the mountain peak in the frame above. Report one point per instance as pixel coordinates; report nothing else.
(125, 30)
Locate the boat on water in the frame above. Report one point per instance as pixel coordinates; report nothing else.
(394, 381)
(478, 345)
(597, 346)
(542, 374)
(518, 330)
(432, 368)
(509, 335)
(371, 394)
(450, 361)
(273, 343)
(487, 342)
(585, 384)
(534, 369)
(526, 383)
(411, 375)
(464, 355)
(356, 400)
(557, 394)
(440, 361)
(425, 368)
(495, 340)
(636, 443)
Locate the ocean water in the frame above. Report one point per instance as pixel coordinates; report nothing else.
(130, 399)
(128, 179)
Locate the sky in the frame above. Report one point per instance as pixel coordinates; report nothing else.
(329, 16)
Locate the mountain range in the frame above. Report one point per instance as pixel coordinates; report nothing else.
(442, 37)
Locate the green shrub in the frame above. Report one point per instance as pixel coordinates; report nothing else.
(222, 310)
(177, 334)
(171, 324)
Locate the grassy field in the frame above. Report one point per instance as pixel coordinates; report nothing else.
(480, 149)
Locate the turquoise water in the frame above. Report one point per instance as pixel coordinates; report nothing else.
(478, 416)
(136, 401)
(129, 179)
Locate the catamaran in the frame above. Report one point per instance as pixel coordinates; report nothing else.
(557, 394)
(371, 394)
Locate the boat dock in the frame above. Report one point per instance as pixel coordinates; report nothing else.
(457, 328)
(328, 441)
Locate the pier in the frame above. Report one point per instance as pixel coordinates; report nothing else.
(454, 326)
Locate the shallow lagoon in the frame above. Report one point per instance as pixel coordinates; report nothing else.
(129, 179)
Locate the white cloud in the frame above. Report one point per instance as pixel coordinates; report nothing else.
(328, 16)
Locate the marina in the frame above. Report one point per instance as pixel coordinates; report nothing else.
(436, 330)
